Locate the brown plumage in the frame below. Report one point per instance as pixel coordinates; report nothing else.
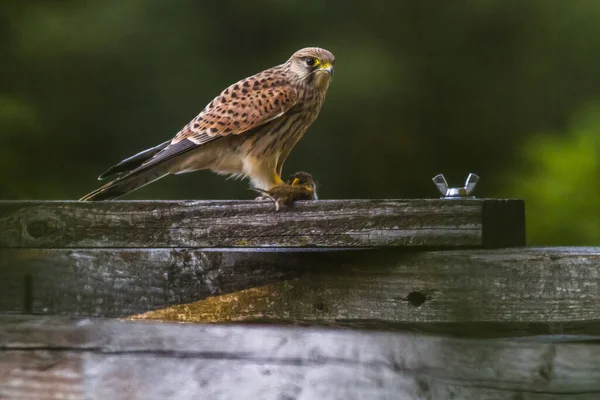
(248, 130)
(299, 186)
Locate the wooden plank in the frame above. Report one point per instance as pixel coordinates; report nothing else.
(41, 374)
(479, 293)
(121, 282)
(494, 286)
(499, 218)
(120, 360)
(325, 223)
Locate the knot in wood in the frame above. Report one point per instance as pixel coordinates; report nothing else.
(37, 229)
(416, 298)
(319, 306)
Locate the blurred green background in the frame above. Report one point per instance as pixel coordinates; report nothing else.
(506, 89)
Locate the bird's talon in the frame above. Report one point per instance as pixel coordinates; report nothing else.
(299, 186)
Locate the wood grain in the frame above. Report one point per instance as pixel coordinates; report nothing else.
(324, 223)
(478, 293)
(120, 282)
(509, 286)
(120, 360)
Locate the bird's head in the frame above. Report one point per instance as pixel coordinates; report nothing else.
(303, 179)
(313, 66)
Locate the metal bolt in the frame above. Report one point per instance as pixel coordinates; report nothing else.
(456, 193)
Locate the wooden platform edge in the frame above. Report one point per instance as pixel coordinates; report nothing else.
(414, 223)
(503, 223)
(92, 359)
(525, 290)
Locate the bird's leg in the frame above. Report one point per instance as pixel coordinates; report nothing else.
(277, 181)
(299, 186)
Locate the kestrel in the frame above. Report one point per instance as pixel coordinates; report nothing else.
(246, 131)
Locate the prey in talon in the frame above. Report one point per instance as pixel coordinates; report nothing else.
(299, 186)
(246, 131)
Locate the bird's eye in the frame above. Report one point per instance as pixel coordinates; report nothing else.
(310, 61)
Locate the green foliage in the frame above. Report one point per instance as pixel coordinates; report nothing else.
(559, 182)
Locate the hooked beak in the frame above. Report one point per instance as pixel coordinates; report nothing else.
(327, 67)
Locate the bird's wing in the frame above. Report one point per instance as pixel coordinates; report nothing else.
(241, 107)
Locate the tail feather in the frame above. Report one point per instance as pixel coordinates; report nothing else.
(144, 168)
(131, 174)
(128, 183)
(133, 162)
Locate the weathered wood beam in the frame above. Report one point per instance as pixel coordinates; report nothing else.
(508, 286)
(326, 223)
(463, 292)
(121, 282)
(55, 358)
